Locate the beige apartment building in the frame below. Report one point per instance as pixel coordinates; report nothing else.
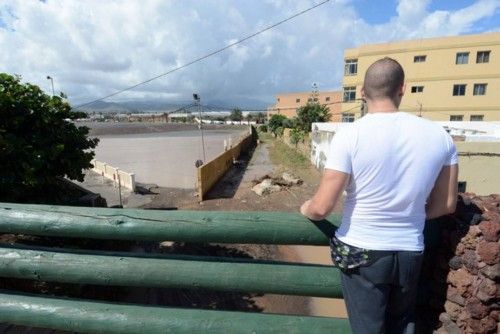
(447, 79)
(288, 103)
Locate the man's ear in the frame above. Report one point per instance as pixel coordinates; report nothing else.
(363, 96)
(402, 90)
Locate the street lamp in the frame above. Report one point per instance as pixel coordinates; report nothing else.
(52, 81)
(197, 99)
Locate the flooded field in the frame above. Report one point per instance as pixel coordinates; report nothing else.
(163, 154)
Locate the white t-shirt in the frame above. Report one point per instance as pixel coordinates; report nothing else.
(393, 160)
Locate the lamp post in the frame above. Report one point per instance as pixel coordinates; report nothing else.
(197, 99)
(52, 81)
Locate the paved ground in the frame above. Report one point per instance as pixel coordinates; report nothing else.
(259, 165)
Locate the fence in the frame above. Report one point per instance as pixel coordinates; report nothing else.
(211, 172)
(125, 269)
(126, 180)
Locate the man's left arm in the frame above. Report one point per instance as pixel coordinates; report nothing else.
(331, 187)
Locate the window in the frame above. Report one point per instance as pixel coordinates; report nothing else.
(315, 99)
(309, 99)
(459, 90)
(417, 89)
(278, 99)
(351, 67)
(456, 118)
(462, 58)
(327, 99)
(479, 89)
(419, 59)
(476, 118)
(483, 57)
(347, 117)
(349, 94)
(462, 186)
(297, 100)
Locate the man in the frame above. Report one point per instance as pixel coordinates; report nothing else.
(398, 170)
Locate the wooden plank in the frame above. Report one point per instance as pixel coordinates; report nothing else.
(155, 225)
(98, 317)
(100, 268)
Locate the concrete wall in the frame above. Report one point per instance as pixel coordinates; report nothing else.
(126, 180)
(212, 171)
(479, 166)
(321, 136)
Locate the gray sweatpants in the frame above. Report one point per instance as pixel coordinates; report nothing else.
(381, 296)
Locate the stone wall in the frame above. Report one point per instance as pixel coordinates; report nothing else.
(458, 292)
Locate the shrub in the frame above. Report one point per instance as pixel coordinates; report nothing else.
(276, 122)
(38, 141)
(297, 136)
(312, 113)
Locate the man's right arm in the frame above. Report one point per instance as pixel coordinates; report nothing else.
(443, 197)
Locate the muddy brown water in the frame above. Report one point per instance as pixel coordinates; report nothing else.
(161, 154)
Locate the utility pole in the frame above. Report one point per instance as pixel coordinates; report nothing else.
(52, 81)
(197, 99)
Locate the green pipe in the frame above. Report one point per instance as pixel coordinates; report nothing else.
(155, 225)
(97, 317)
(102, 269)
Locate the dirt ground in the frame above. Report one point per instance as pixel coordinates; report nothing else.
(234, 191)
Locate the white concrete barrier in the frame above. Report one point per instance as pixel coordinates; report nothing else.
(125, 179)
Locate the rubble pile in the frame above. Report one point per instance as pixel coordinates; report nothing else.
(268, 184)
(461, 273)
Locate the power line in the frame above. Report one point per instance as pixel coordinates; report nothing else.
(205, 56)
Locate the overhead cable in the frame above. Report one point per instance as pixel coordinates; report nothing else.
(205, 56)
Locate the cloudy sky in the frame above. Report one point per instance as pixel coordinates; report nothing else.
(94, 48)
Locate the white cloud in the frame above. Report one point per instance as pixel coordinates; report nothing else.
(94, 48)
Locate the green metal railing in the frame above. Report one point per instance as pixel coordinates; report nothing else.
(159, 270)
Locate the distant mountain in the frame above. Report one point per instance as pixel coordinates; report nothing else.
(132, 106)
(102, 106)
(162, 106)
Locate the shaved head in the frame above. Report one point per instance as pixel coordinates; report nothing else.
(383, 80)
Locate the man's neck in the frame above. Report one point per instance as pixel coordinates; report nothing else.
(381, 106)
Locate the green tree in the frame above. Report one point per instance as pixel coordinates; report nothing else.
(297, 136)
(275, 122)
(250, 117)
(38, 141)
(290, 123)
(236, 115)
(312, 113)
(260, 118)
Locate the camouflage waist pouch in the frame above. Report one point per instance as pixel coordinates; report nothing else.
(345, 256)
